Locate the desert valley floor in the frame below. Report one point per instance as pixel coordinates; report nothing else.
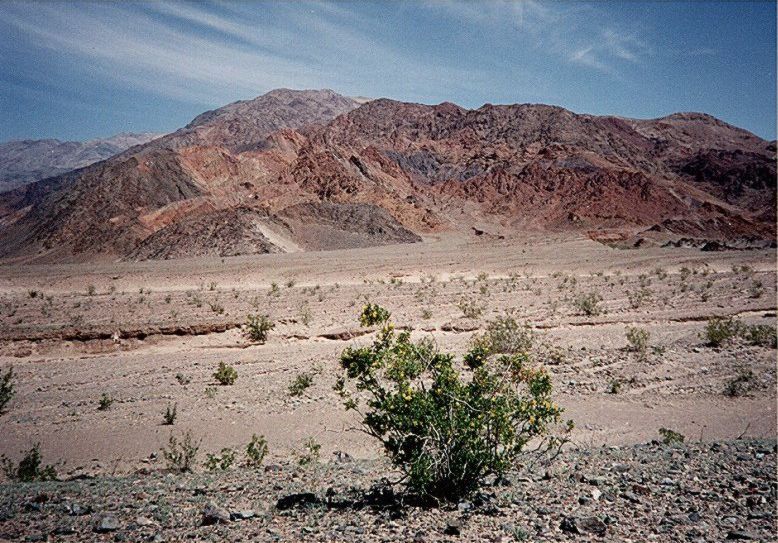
(151, 334)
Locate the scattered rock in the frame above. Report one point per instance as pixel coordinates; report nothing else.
(213, 514)
(106, 523)
(584, 525)
(297, 500)
(454, 527)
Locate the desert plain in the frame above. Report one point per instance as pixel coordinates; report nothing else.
(149, 335)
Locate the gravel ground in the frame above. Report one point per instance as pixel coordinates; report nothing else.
(652, 492)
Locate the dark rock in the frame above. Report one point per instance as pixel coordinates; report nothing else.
(296, 500)
(453, 528)
(213, 514)
(583, 525)
(244, 514)
(739, 535)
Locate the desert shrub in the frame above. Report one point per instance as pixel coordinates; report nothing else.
(274, 290)
(614, 387)
(29, 468)
(183, 379)
(7, 390)
(105, 403)
(373, 314)
(170, 414)
(91, 290)
(506, 336)
(302, 382)
(740, 384)
(588, 303)
(719, 330)
(761, 334)
(311, 452)
(756, 289)
(180, 456)
(638, 297)
(258, 326)
(225, 375)
(637, 338)
(444, 429)
(256, 451)
(222, 461)
(470, 308)
(669, 437)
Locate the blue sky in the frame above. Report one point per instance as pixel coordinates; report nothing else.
(74, 70)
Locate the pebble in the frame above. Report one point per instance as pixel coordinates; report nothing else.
(213, 514)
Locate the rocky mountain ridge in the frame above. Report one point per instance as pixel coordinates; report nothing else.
(316, 170)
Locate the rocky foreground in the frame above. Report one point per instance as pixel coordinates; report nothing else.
(654, 492)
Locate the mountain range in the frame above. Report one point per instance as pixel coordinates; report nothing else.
(25, 161)
(311, 170)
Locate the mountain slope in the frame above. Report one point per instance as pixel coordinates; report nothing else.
(26, 161)
(325, 172)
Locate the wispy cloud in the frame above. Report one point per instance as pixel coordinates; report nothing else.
(211, 53)
(576, 33)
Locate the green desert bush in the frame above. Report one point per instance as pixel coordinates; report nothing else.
(225, 374)
(761, 334)
(588, 303)
(256, 451)
(222, 461)
(637, 340)
(7, 390)
(181, 455)
(444, 428)
(670, 437)
(257, 327)
(105, 403)
(311, 452)
(720, 330)
(29, 468)
(300, 384)
(740, 384)
(470, 308)
(506, 336)
(170, 414)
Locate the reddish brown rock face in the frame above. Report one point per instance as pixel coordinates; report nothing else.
(314, 170)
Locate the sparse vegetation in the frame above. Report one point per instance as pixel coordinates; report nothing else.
(257, 327)
(311, 452)
(105, 403)
(763, 335)
(470, 308)
(740, 384)
(7, 389)
(588, 303)
(300, 384)
(373, 314)
(225, 374)
(180, 456)
(30, 467)
(183, 379)
(614, 387)
(720, 330)
(671, 437)
(638, 297)
(220, 462)
(446, 432)
(170, 414)
(637, 340)
(256, 451)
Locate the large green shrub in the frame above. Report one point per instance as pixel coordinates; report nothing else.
(444, 426)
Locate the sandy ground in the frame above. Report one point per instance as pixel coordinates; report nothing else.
(75, 332)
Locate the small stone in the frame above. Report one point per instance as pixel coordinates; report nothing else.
(144, 521)
(596, 494)
(244, 514)
(464, 506)
(453, 528)
(106, 523)
(213, 514)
